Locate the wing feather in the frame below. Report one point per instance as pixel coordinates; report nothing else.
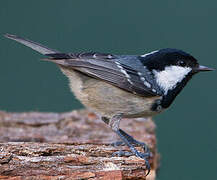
(98, 65)
(109, 71)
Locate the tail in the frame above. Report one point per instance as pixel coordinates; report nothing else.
(35, 46)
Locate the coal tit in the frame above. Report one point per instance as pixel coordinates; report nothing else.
(118, 86)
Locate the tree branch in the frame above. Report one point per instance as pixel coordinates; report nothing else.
(74, 145)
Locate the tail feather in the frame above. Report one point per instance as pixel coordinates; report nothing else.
(35, 46)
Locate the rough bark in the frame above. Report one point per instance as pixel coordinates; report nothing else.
(74, 145)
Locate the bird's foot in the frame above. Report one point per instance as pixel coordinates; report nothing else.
(133, 142)
(145, 157)
(129, 141)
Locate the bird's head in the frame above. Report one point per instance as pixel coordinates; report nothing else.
(172, 67)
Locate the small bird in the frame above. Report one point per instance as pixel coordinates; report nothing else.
(124, 86)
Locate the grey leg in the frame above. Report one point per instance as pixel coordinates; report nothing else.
(127, 136)
(114, 123)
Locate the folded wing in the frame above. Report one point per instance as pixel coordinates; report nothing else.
(107, 68)
(98, 65)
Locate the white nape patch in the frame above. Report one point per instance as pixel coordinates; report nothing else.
(124, 72)
(144, 55)
(170, 76)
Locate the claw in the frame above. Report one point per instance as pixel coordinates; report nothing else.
(134, 142)
(145, 156)
(148, 167)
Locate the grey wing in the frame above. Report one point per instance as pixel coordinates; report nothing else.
(107, 68)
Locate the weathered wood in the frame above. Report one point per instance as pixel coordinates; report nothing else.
(74, 145)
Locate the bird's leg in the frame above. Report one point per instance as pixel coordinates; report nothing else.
(114, 123)
(128, 137)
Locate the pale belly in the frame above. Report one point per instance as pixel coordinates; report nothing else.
(106, 99)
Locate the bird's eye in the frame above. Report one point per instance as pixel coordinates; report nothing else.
(181, 63)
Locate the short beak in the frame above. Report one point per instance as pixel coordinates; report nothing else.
(203, 68)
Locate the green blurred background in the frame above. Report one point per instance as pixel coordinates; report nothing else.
(186, 132)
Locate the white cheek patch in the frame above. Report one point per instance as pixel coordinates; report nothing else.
(168, 78)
